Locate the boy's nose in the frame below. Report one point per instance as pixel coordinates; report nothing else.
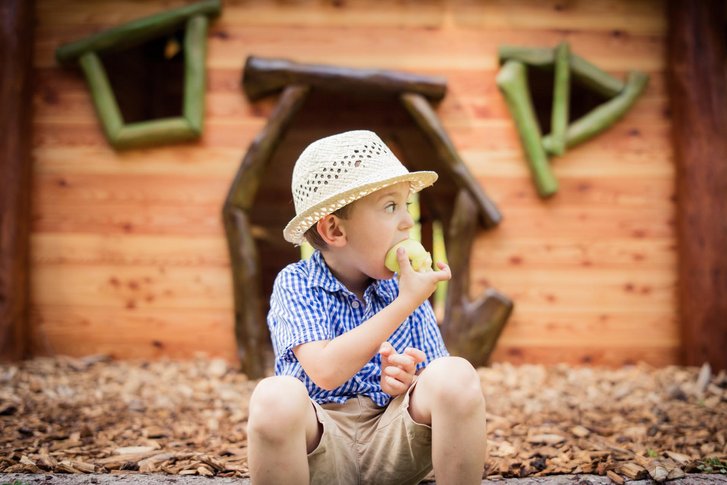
(407, 221)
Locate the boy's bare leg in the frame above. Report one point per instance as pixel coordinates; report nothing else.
(282, 429)
(448, 396)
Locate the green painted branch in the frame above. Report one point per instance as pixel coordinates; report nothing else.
(102, 95)
(425, 117)
(588, 74)
(604, 116)
(263, 76)
(561, 98)
(244, 187)
(195, 46)
(136, 31)
(154, 132)
(512, 81)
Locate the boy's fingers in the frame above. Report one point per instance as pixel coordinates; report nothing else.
(417, 354)
(403, 259)
(444, 273)
(400, 375)
(393, 371)
(396, 386)
(387, 351)
(402, 360)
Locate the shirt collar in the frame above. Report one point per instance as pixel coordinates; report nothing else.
(321, 276)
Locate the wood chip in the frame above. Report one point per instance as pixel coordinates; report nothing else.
(632, 471)
(189, 418)
(615, 477)
(678, 457)
(549, 439)
(153, 463)
(134, 450)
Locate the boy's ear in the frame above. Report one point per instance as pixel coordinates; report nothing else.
(331, 230)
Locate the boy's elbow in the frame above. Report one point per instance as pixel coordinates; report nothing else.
(315, 363)
(325, 381)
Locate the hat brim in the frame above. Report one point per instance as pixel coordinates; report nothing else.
(297, 227)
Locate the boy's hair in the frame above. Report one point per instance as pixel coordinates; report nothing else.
(313, 236)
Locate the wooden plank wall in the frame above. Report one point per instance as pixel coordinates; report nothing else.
(128, 250)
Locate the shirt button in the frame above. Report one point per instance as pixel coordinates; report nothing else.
(354, 304)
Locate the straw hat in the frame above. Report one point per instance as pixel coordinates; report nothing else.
(337, 170)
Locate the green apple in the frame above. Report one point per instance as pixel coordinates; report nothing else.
(420, 259)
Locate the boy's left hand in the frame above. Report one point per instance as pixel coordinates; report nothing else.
(398, 370)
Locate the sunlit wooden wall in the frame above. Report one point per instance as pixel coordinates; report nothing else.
(128, 249)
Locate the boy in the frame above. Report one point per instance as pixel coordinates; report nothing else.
(364, 391)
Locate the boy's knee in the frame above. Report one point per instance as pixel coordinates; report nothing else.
(277, 405)
(456, 384)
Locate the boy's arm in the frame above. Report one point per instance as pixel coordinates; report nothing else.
(330, 363)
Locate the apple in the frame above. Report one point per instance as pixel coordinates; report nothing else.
(420, 259)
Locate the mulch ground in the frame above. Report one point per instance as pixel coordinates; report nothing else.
(94, 415)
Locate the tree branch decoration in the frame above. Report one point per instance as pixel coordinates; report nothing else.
(512, 81)
(86, 52)
(470, 329)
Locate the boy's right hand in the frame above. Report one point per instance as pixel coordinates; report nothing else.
(416, 287)
(398, 370)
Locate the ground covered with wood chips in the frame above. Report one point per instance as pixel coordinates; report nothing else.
(94, 415)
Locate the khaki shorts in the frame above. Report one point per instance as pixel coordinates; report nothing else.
(365, 444)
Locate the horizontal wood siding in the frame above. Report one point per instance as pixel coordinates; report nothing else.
(128, 250)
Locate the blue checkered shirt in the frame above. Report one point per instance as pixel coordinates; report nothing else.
(308, 304)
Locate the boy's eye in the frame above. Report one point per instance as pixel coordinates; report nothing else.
(391, 208)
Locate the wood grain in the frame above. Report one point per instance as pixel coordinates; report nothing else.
(698, 86)
(583, 354)
(16, 35)
(128, 249)
(132, 333)
(129, 287)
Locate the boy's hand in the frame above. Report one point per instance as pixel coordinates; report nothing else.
(398, 370)
(416, 287)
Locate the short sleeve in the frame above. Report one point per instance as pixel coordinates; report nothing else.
(426, 335)
(297, 315)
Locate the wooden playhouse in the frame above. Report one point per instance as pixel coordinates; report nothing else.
(124, 251)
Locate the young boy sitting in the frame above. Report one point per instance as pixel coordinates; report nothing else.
(365, 391)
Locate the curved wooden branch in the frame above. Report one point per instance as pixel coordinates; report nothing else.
(244, 186)
(470, 329)
(425, 117)
(250, 326)
(249, 322)
(264, 76)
